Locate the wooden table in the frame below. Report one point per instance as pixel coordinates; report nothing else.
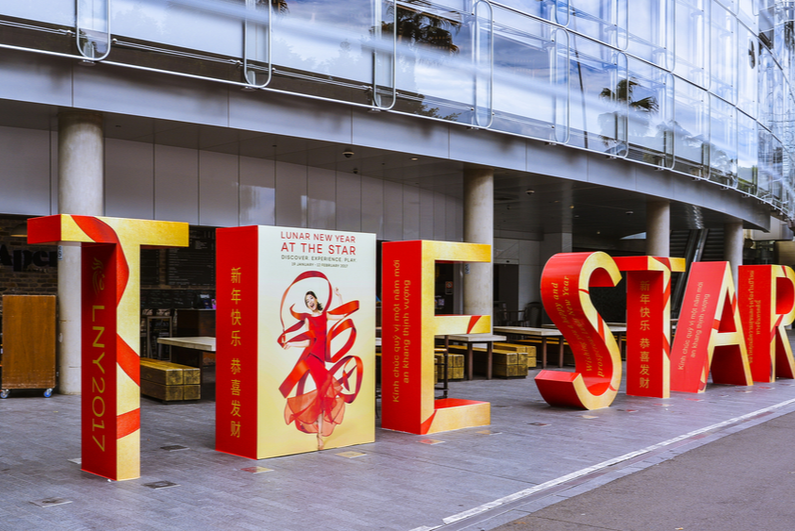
(189, 350)
(542, 333)
(470, 340)
(550, 331)
(203, 343)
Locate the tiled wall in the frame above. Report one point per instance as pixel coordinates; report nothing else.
(148, 181)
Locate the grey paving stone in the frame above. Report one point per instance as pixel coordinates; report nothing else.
(400, 484)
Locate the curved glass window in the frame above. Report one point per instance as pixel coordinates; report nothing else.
(691, 128)
(599, 97)
(525, 88)
(723, 57)
(747, 153)
(722, 142)
(61, 12)
(650, 114)
(597, 19)
(702, 87)
(212, 27)
(747, 61)
(650, 30)
(690, 41)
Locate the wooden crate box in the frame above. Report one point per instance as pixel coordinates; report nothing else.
(169, 381)
(455, 367)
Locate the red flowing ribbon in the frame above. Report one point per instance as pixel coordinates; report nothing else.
(126, 357)
(299, 374)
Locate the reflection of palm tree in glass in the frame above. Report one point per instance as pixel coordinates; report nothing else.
(635, 119)
(416, 26)
(280, 6)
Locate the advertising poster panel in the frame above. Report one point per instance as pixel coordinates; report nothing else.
(295, 326)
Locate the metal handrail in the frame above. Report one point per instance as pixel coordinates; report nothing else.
(78, 30)
(270, 48)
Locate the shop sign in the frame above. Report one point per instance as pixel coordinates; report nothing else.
(21, 259)
(295, 336)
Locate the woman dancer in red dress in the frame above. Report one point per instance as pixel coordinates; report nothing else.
(320, 410)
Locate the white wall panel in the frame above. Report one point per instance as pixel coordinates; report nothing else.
(218, 189)
(505, 251)
(176, 184)
(439, 216)
(450, 218)
(322, 192)
(24, 171)
(426, 214)
(459, 221)
(373, 207)
(349, 202)
(129, 179)
(393, 211)
(411, 213)
(53, 172)
(291, 199)
(529, 252)
(529, 284)
(257, 191)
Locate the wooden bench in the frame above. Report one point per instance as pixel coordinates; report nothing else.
(169, 382)
(505, 363)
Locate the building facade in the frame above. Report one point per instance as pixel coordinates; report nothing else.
(540, 126)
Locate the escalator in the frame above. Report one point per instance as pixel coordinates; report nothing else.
(697, 245)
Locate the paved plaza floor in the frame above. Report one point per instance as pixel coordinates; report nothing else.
(531, 457)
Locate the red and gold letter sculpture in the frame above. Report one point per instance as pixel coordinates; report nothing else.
(408, 330)
(110, 315)
(649, 323)
(565, 285)
(295, 340)
(709, 329)
(767, 305)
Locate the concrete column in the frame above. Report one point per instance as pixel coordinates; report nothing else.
(80, 191)
(733, 242)
(479, 228)
(658, 228)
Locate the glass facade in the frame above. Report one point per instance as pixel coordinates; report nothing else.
(698, 87)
